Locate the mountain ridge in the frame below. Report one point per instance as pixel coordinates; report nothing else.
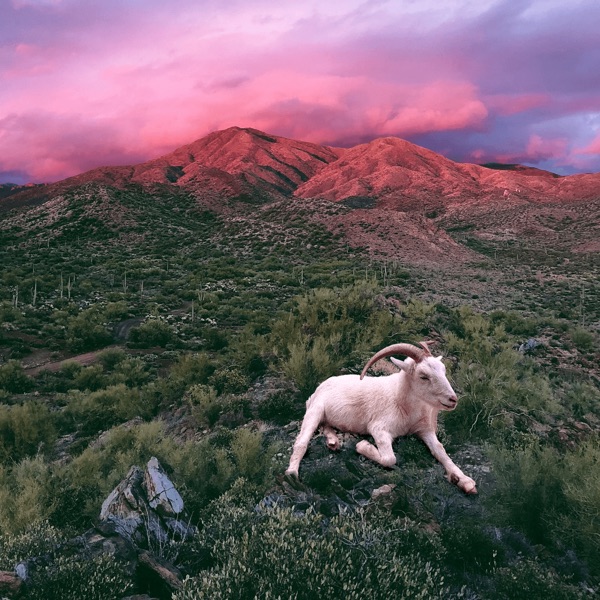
(395, 198)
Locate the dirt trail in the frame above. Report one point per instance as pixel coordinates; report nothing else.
(88, 358)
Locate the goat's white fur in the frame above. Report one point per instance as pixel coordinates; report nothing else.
(385, 408)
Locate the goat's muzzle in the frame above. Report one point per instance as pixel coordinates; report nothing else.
(450, 403)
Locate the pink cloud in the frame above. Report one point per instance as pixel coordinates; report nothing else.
(511, 104)
(536, 150)
(539, 148)
(85, 84)
(592, 148)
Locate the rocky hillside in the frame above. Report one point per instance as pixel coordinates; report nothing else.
(179, 313)
(398, 200)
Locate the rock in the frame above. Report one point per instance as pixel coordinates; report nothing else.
(11, 584)
(124, 506)
(167, 573)
(162, 495)
(383, 490)
(145, 508)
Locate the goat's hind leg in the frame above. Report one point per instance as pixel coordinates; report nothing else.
(312, 420)
(333, 442)
(383, 453)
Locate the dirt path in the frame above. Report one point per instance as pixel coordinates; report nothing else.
(88, 358)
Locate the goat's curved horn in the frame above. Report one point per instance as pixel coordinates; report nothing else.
(425, 346)
(417, 354)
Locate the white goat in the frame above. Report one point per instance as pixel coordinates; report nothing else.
(385, 408)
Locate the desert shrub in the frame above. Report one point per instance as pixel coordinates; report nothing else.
(348, 322)
(229, 381)
(111, 357)
(248, 454)
(498, 388)
(133, 372)
(530, 492)
(204, 404)
(348, 557)
(86, 331)
(38, 539)
(581, 398)
(515, 323)
(192, 368)
(116, 311)
(152, 333)
(215, 339)
(280, 407)
(470, 549)
(27, 495)
(90, 378)
(24, 430)
(582, 338)
(80, 576)
(310, 362)
(581, 488)
(97, 411)
(531, 580)
(13, 378)
(208, 468)
(234, 410)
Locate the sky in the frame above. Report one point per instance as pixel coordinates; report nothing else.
(87, 83)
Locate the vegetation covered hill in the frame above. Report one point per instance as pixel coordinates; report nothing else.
(146, 321)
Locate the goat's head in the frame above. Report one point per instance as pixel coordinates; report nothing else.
(427, 373)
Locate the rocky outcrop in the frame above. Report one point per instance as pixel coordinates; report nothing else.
(139, 519)
(146, 508)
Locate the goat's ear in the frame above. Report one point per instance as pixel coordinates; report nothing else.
(439, 357)
(400, 364)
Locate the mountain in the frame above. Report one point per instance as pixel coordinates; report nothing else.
(395, 198)
(233, 162)
(403, 176)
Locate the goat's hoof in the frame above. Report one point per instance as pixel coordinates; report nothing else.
(467, 485)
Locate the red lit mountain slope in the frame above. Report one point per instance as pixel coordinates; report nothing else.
(428, 193)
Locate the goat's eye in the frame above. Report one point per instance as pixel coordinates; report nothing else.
(424, 377)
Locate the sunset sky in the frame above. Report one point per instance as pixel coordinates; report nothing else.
(85, 83)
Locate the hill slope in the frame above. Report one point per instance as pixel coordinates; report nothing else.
(430, 196)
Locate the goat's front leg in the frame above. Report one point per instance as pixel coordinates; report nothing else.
(383, 453)
(311, 421)
(453, 473)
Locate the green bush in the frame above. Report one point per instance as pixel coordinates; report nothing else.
(87, 331)
(309, 363)
(80, 576)
(531, 580)
(25, 429)
(498, 388)
(583, 339)
(27, 495)
(111, 357)
(229, 381)
(530, 492)
(280, 408)
(204, 404)
(98, 411)
(13, 378)
(152, 333)
(38, 539)
(349, 557)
